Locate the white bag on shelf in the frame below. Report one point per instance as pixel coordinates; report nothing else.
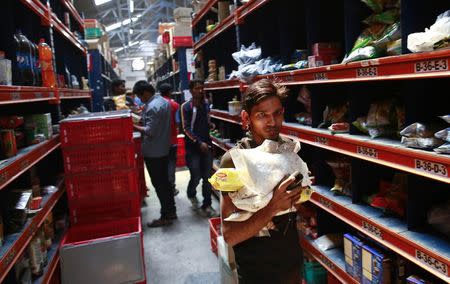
(424, 41)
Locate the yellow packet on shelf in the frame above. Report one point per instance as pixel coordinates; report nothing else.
(226, 179)
(305, 195)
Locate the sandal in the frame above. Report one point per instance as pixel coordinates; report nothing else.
(159, 223)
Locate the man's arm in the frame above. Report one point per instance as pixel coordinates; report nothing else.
(237, 232)
(151, 118)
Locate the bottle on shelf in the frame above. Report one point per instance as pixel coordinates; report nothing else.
(46, 62)
(5, 70)
(36, 64)
(24, 62)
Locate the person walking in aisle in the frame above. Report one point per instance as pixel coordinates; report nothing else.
(166, 91)
(155, 148)
(275, 259)
(196, 125)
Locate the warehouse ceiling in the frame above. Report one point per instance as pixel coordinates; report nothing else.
(132, 25)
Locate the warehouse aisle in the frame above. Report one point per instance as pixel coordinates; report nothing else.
(180, 253)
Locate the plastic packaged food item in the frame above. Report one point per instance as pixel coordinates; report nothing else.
(425, 41)
(304, 97)
(444, 149)
(16, 204)
(387, 17)
(8, 146)
(343, 175)
(342, 127)
(418, 130)
(334, 114)
(226, 179)
(391, 33)
(376, 5)
(36, 257)
(394, 47)
(443, 134)
(421, 143)
(120, 102)
(446, 118)
(363, 53)
(49, 227)
(439, 218)
(330, 241)
(305, 195)
(392, 196)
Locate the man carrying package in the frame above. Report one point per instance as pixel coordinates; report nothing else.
(259, 220)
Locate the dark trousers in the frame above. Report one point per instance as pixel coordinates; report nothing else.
(157, 169)
(200, 165)
(172, 165)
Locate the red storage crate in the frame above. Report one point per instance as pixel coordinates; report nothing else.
(214, 232)
(92, 211)
(181, 151)
(96, 128)
(101, 184)
(99, 157)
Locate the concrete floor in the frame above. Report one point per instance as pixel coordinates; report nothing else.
(179, 253)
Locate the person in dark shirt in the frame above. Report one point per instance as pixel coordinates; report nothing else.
(274, 259)
(196, 126)
(117, 89)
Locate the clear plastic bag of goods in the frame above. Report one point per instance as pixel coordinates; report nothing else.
(334, 114)
(247, 55)
(421, 143)
(443, 149)
(387, 17)
(376, 5)
(425, 41)
(364, 53)
(394, 47)
(418, 130)
(439, 218)
(226, 179)
(261, 170)
(446, 118)
(330, 241)
(120, 102)
(443, 134)
(391, 33)
(342, 171)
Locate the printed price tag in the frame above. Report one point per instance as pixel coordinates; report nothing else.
(431, 66)
(373, 230)
(367, 72)
(368, 152)
(322, 140)
(432, 262)
(326, 203)
(15, 96)
(430, 167)
(320, 76)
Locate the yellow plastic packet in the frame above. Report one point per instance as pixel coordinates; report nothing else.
(120, 102)
(305, 195)
(226, 179)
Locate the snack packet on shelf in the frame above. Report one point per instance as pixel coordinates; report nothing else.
(444, 149)
(443, 134)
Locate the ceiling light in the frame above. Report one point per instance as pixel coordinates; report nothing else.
(123, 23)
(100, 2)
(131, 6)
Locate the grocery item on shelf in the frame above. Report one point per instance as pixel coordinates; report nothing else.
(391, 196)
(36, 255)
(421, 136)
(413, 279)
(394, 47)
(16, 205)
(443, 149)
(436, 37)
(8, 146)
(314, 272)
(340, 127)
(226, 179)
(342, 171)
(363, 53)
(21, 271)
(212, 71)
(222, 74)
(223, 10)
(443, 134)
(439, 217)
(307, 220)
(235, 106)
(46, 61)
(334, 113)
(304, 97)
(329, 241)
(36, 64)
(353, 255)
(321, 60)
(11, 122)
(42, 123)
(25, 73)
(376, 266)
(5, 70)
(446, 118)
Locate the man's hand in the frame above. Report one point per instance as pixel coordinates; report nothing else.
(283, 199)
(204, 148)
(138, 128)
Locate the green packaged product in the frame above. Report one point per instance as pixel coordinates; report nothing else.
(391, 33)
(376, 5)
(363, 53)
(368, 36)
(42, 123)
(387, 17)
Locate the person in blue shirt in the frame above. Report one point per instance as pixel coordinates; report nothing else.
(155, 148)
(196, 126)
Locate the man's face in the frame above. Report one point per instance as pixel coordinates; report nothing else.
(265, 119)
(197, 91)
(144, 97)
(119, 90)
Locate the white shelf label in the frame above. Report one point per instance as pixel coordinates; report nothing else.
(432, 262)
(432, 168)
(326, 203)
(371, 229)
(368, 152)
(431, 66)
(321, 140)
(366, 72)
(320, 76)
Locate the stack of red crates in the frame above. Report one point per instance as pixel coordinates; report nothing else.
(140, 164)
(102, 177)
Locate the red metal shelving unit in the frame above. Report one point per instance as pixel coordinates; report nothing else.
(327, 262)
(74, 94)
(224, 115)
(22, 94)
(69, 6)
(220, 144)
(65, 32)
(222, 85)
(25, 159)
(203, 12)
(226, 24)
(391, 233)
(39, 9)
(380, 151)
(12, 253)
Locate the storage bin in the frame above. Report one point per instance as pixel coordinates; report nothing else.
(214, 232)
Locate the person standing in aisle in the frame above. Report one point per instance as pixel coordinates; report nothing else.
(155, 148)
(166, 92)
(117, 89)
(276, 258)
(196, 126)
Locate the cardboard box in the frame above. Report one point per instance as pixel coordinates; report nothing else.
(182, 12)
(376, 266)
(327, 48)
(353, 255)
(182, 30)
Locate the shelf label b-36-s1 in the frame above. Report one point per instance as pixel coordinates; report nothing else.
(431, 66)
(371, 229)
(367, 72)
(432, 262)
(368, 152)
(430, 167)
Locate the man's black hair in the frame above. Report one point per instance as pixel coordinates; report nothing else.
(116, 83)
(141, 86)
(165, 89)
(194, 82)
